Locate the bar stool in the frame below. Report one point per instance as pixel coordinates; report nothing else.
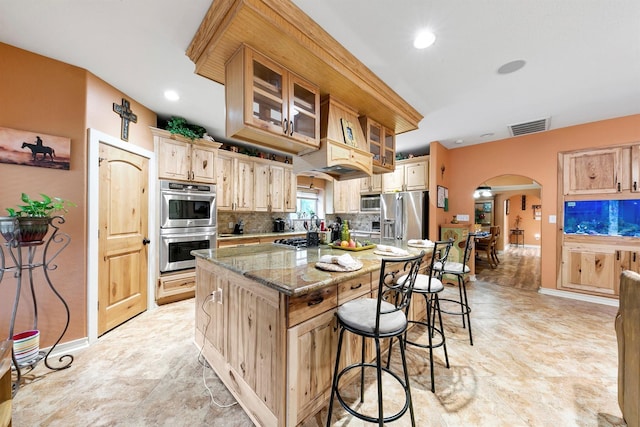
(378, 318)
(459, 269)
(430, 286)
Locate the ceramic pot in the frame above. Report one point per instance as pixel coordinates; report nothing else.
(32, 229)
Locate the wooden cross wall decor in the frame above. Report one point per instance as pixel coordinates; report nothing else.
(127, 116)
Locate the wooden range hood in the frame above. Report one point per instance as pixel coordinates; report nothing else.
(283, 32)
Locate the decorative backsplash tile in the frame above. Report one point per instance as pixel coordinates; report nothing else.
(262, 222)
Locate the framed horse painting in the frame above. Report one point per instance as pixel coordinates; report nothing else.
(20, 147)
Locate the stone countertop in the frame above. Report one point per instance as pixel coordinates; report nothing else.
(290, 271)
(275, 235)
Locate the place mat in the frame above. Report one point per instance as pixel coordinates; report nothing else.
(337, 267)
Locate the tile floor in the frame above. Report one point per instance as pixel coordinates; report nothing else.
(536, 361)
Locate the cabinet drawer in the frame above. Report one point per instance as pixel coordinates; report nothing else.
(307, 306)
(354, 288)
(176, 286)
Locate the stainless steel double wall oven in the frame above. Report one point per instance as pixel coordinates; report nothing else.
(187, 222)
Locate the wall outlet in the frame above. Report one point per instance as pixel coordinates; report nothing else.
(230, 225)
(461, 217)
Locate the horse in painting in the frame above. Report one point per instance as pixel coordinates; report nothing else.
(36, 149)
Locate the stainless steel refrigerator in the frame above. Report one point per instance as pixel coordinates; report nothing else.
(405, 215)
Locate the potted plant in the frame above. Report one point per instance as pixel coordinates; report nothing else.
(180, 126)
(30, 222)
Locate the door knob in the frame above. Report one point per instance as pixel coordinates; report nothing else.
(146, 241)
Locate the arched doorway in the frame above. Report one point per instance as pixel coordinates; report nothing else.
(513, 204)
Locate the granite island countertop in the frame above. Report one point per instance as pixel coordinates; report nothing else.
(288, 270)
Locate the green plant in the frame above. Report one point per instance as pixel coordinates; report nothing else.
(181, 127)
(40, 208)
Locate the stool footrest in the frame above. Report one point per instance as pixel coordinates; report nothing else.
(362, 416)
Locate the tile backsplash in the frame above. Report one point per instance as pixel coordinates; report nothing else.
(262, 222)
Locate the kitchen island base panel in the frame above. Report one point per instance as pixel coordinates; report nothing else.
(244, 340)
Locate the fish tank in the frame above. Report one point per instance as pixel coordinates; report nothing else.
(602, 217)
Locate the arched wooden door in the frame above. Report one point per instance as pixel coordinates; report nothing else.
(122, 239)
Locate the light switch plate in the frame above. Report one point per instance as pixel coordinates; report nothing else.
(461, 217)
(552, 219)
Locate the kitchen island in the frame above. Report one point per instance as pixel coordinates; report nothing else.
(265, 323)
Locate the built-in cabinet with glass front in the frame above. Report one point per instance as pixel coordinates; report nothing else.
(600, 226)
(269, 105)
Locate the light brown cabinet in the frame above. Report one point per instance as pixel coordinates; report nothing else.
(290, 190)
(235, 182)
(346, 196)
(630, 172)
(371, 184)
(596, 267)
(410, 175)
(269, 187)
(183, 160)
(382, 144)
(592, 172)
(270, 106)
(249, 184)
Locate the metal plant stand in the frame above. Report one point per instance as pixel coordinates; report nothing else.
(22, 259)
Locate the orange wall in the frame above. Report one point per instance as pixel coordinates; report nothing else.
(534, 156)
(40, 94)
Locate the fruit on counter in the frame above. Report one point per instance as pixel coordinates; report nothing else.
(344, 244)
(358, 244)
(352, 243)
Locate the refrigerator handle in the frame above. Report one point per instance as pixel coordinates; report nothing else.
(400, 218)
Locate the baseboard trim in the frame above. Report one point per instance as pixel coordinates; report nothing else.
(69, 347)
(580, 297)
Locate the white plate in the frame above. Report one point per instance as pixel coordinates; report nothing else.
(415, 245)
(391, 254)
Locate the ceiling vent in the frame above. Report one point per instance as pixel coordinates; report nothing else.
(530, 127)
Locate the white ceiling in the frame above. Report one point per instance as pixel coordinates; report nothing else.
(582, 57)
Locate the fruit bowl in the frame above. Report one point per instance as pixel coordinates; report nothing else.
(347, 248)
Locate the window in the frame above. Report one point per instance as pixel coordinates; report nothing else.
(308, 202)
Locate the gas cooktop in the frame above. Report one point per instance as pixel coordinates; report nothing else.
(294, 242)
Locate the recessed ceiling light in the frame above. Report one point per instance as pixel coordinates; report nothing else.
(424, 39)
(459, 141)
(171, 95)
(485, 135)
(512, 66)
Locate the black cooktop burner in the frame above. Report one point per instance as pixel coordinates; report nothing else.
(295, 242)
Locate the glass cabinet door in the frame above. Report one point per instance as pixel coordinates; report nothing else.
(375, 142)
(304, 106)
(268, 106)
(389, 154)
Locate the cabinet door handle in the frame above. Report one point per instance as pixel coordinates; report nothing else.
(315, 301)
(635, 185)
(285, 126)
(619, 187)
(290, 127)
(634, 257)
(617, 255)
(359, 285)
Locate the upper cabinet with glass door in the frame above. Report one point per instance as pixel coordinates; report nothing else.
(382, 144)
(269, 106)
